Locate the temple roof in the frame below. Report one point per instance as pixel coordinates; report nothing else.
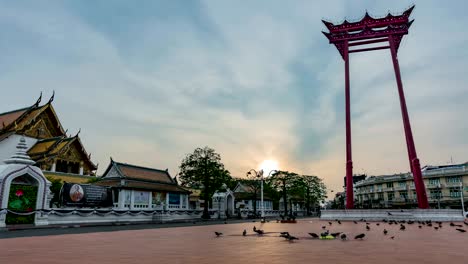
(135, 172)
(23, 119)
(135, 184)
(10, 117)
(42, 123)
(52, 147)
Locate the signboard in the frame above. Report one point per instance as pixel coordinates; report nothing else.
(85, 195)
(141, 197)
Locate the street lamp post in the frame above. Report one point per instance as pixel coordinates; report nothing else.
(259, 174)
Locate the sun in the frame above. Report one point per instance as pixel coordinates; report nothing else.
(268, 165)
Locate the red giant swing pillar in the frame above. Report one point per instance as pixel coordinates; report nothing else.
(369, 30)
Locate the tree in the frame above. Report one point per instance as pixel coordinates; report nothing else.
(203, 169)
(55, 187)
(311, 188)
(283, 181)
(253, 184)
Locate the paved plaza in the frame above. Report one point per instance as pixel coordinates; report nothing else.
(198, 244)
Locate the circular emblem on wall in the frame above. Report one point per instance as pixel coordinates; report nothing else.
(76, 193)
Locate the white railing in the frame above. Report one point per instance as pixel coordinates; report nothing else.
(400, 188)
(443, 171)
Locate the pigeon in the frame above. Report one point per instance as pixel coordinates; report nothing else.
(244, 233)
(452, 224)
(385, 231)
(284, 233)
(392, 237)
(330, 223)
(339, 222)
(458, 225)
(384, 220)
(378, 224)
(436, 228)
(343, 236)
(225, 222)
(367, 227)
(410, 222)
(292, 238)
(355, 222)
(260, 232)
(218, 234)
(463, 222)
(389, 213)
(461, 230)
(430, 224)
(324, 234)
(323, 227)
(360, 236)
(420, 226)
(402, 227)
(401, 210)
(335, 234)
(367, 224)
(313, 235)
(255, 229)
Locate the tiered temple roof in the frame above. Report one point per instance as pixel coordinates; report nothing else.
(130, 176)
(41, 122)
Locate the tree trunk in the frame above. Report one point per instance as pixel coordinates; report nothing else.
(206, 214)
(285, 201)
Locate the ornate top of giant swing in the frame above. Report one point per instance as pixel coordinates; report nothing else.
(369, 30)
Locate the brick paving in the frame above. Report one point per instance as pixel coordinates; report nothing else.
(198, 244)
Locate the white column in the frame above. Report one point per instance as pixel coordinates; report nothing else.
(150, 202)
(187, 201)
(54, 165)
(121, 200)
(132, 199)
(167, 201)
(180, 200)
(81, 168)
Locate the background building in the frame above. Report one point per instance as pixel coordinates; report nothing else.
(136, 187)
(445, 185)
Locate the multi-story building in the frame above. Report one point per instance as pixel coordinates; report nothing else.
(445, 187)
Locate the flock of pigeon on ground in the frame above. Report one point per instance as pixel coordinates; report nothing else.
(341, 235)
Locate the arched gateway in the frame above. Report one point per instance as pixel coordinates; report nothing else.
(23, 190)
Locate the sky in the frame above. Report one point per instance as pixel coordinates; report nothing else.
(149, 81)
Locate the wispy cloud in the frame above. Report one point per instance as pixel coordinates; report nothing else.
(149, 82)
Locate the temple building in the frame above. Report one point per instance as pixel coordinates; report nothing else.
(59, 156)
(135, 187)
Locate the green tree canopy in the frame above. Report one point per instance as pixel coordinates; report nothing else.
(311, 188)
(203, 169)
(283, 181)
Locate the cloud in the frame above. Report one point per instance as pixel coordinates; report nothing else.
(149, 82)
